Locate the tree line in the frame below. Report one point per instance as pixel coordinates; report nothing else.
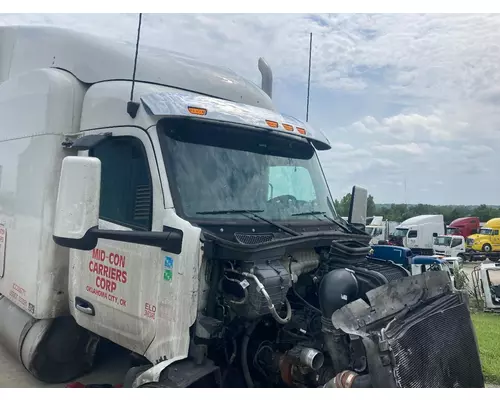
(400, 212)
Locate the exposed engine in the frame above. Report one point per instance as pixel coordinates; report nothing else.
(270, 321)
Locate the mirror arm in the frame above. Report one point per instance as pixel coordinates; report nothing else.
(170, 240)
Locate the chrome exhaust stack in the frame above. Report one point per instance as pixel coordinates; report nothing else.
(267, 77)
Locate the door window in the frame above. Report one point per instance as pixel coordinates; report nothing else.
(126, 186)
(456, 242)
(412, 234)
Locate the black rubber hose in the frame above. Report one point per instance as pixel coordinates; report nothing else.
(244, 356)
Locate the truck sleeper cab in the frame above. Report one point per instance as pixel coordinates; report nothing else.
(465, 226)
(198, 233)
(418, 233)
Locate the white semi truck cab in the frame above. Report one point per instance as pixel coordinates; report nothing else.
(192, 225)
(418, 233)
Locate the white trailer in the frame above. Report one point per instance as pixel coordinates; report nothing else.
(181, 217)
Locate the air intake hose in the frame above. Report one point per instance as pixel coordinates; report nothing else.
(338, 288)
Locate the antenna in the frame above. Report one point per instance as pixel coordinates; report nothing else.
(309, 76)
(133, 107)
(406, 203)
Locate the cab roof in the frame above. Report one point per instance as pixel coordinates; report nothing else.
(462, 220)
(93, 59)
(419, 219)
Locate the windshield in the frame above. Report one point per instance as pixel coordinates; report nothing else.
(452, 231)
(400, 232)
(442, 240)
(485, 231)
(369, 230)
(221, 167)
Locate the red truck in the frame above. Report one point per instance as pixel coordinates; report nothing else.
(465, 226)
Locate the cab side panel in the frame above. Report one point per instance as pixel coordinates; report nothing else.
(36, 109)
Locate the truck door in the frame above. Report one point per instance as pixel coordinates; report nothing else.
(495, 239)
(412, 239)
(457, 246)
(111, 285)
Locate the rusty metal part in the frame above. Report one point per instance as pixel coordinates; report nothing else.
(286, 372)
(344, 379)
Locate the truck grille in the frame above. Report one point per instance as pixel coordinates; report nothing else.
(255, 238)
(436, 347)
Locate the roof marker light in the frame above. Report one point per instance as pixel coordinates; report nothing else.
(302, 131)
(289, 128)
(197, 111)
(272, 124)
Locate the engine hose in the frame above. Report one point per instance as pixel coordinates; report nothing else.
(244, 356)
(348, 251)
(270, 304)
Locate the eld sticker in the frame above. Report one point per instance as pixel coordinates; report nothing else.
(3, 239)
(167, 268)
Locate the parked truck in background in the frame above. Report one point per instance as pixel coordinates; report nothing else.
(380, 230)
(487, 239)
(450, 246)
(465, 226)
(418, 233)
(186, 220)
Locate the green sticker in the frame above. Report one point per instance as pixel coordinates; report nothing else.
(167, 274)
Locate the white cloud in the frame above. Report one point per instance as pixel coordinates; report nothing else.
(418, 94)
(410, 148)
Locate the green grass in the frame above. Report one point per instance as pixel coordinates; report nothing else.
(488, 336)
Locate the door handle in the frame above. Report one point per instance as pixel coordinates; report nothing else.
(84, 306)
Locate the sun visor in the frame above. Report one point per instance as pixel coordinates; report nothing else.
(170, 103)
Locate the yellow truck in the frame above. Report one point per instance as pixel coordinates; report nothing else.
(488, 238)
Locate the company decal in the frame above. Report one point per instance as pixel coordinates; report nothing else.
(18, 295)
(168, 266)
(149, 311)
(3, 238)
(110, 274)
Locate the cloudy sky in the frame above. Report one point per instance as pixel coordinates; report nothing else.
(403, 97)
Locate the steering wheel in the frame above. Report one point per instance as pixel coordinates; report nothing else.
(283, 198)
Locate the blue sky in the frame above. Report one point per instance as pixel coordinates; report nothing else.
(402, 97)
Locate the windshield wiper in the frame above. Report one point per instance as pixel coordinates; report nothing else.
(324, 214)
(215, 212)
(251, 214)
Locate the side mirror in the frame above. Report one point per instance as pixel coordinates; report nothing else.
(358, 206)
(77, 208)
(77, 212)
(434, 234)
